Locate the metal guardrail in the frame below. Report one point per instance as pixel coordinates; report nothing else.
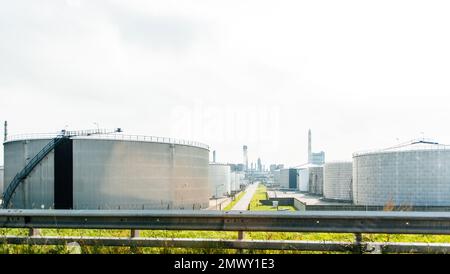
(330, 222)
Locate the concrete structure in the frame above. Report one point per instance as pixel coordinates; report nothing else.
(288, 178)
(337, 181)
(315, 185)
(219, 180)
(412, 174)
(110, 172)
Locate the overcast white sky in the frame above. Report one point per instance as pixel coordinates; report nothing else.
(360, 74)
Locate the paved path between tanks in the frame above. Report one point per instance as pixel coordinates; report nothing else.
(245, 200)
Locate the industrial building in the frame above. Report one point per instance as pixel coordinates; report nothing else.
(219, 180)
(113, 171)
(337, 181)
(412, 174)
(288, 178)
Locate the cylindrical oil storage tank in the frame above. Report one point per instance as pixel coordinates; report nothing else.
(337, 181)
(303, 179)
(276, 177)
(288, 178)
(232, 181)
(219, 180)
(109, 172)
(1, 179)
(415, 174)
(241, 180)
(315, 177)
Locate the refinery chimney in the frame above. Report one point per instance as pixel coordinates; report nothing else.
(309, 147)
(214, 156)
(6, 131)
(245, 157)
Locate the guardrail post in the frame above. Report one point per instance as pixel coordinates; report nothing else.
(358, 243)
(241, 236)
(33, 232)
(135, 234)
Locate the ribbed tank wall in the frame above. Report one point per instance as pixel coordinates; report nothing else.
(284, 178)
(115, 174)
(37, 189)
(1, 178)
(233, 181)
(241, 180)
(337, 181)
(276, 177)
(219, 180)
(303, 179)
(415, 177)
(316, 180)
(139, 175)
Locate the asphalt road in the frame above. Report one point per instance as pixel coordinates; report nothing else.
(245, 200)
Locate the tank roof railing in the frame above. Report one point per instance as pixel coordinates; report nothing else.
(414, 144)
(123, 137)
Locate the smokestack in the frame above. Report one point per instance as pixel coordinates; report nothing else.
(245, 157)
(309, 147)
(214, 156)
(6, 130)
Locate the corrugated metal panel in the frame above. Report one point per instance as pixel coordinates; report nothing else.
(303, 179)
(219, 180)
(337, 182)
(402, 177)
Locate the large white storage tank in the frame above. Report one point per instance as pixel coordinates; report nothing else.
(241, 180)
(233, 181)
(413, 174)
(315, 177)
(110, 172)
(337, 181)
(219, 179)
(288, 178)
(303, 179)
(1, 179)
(276, 177)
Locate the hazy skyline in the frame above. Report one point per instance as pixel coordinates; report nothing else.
(360, 74)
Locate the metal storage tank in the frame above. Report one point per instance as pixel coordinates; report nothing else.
(110, 172)
(412, 174)
(288, 178)
(233, 181)
(219, 179)
(337, 181)
(276, 177)
(315, 177)
(241, 183)
(303, 179)
(1, 179)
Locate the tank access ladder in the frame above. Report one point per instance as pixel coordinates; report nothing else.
(23, 174)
